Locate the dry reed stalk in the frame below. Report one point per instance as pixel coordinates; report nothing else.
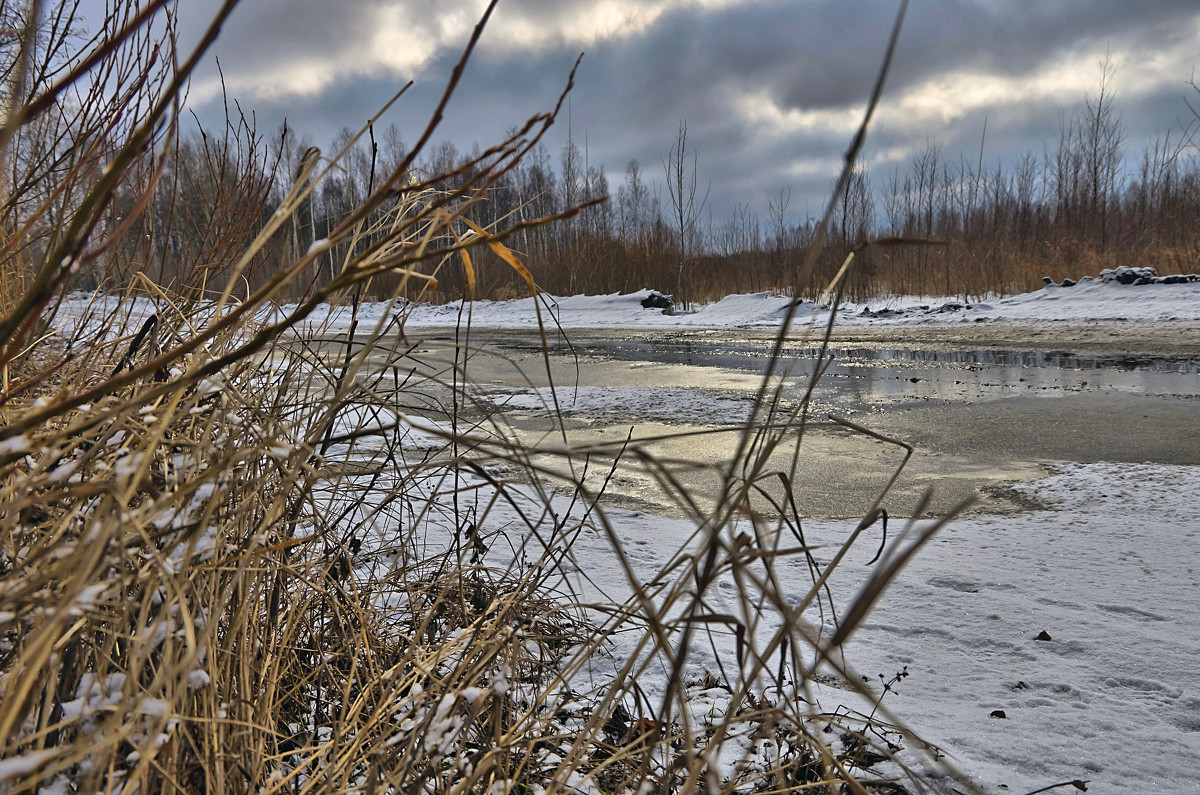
(238, 550)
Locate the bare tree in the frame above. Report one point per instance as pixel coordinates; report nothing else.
(681, 185)
(1086, 167)
(571, 188)
(1102, 140)
(856, 208)
(777, 211)
(633, 203)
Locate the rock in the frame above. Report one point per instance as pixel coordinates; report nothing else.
(997, 713)
(1043, 635)
(1046, 280)
(1127, 275)
(1139, 276)
(868, 312)
(1068, 283)
(657, 300)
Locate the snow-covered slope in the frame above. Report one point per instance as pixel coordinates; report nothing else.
(1104, 299)
(1090, 300)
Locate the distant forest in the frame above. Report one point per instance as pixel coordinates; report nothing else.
(1081, 204)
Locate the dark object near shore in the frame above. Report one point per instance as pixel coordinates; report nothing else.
(998, 713)
(1043, 635)
(657, 300)
(885, 312)
(1140, 276)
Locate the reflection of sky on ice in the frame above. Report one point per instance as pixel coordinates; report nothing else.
(859, 378)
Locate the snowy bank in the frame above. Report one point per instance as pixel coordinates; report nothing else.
(1090, 300)
(1132, 295)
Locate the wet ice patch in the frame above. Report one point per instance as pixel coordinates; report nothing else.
(693, 406)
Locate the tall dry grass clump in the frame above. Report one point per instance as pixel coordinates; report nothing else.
(241, 551)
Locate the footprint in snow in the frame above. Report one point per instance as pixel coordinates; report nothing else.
(966, 586)
(1148, 686)
(962, 586)
(1132, 612)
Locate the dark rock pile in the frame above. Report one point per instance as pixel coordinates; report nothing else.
(1130, 276)
(657, 300)
(1138, 276)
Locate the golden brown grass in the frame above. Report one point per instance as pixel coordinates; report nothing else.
(235, 555)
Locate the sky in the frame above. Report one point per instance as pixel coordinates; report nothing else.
(770, 90)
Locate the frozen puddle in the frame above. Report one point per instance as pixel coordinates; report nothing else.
(862, 377)
(980, 419)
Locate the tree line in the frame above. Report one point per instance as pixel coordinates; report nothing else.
(1079, 205)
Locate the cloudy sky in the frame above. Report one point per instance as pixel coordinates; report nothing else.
(771, 90)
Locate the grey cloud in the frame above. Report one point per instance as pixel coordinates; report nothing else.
(1018, 38)
(260, 31)
(263, 34)
(633, 91)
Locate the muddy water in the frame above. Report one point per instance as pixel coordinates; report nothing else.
(979, 417)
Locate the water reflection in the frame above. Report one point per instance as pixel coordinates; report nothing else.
(865, 377)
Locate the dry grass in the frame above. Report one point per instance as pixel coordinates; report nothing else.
(239, 552)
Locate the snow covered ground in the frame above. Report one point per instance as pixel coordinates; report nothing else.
(1091, 300)
(1051, 646)
(1110, 577)
(1107, 579)
(1112, 697)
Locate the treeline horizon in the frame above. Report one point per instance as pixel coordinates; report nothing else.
(1080, 205)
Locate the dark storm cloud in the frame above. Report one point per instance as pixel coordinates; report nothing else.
(259, 33)
(1011, 37)
(706, 65)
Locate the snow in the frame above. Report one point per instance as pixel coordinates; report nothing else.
(1091, 299)
(14, 445)
(25, 763)
(1108, 574)
(1114, 695)
(1088, 301)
